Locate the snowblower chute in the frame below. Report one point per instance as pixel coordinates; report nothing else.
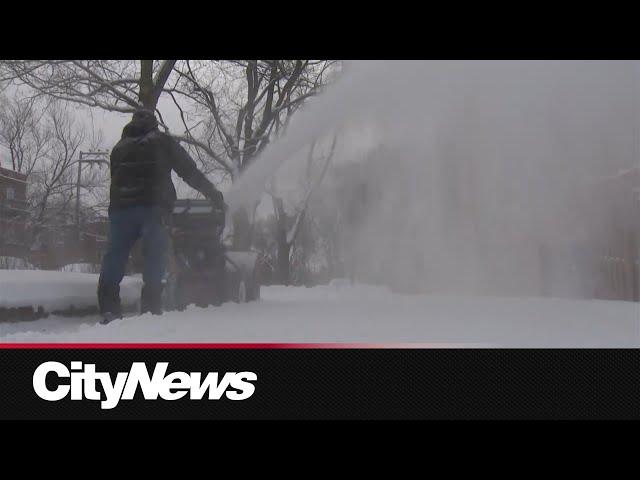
(201, 270)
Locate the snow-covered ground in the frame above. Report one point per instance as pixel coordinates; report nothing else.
(363, 314)
(56, 291)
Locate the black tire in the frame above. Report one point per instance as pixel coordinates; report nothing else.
(173, 295)
(256, 291)
(179, 295)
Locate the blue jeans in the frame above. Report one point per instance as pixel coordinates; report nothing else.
(126, 226)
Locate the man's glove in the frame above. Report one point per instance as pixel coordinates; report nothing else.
(216, 197)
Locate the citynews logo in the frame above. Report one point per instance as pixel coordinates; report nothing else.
(83, 380)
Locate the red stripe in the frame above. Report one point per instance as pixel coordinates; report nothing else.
(272, 346)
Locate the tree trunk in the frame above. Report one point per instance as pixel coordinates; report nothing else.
(284, 247)
(241, 230)
(284, 270)
(146, 97)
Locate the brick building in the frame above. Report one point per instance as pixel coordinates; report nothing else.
(57, 243)
(13, 213)
(60, 243)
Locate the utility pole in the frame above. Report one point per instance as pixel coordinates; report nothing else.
(92, 158)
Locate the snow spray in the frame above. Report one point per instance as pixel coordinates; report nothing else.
(477, 174)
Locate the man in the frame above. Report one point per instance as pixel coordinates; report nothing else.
(141, 197)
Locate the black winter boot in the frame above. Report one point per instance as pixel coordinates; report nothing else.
(109, 301)
(151, 299)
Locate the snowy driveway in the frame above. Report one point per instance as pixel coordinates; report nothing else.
(362, 314)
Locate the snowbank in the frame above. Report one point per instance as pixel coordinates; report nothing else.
(57, 291)
(362, 314)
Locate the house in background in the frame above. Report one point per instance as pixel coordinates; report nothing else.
(60, 243)
(14, 211)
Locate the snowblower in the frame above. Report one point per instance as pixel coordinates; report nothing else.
(201, 270)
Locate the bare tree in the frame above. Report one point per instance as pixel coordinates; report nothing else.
(20, 133)
(288, 226)
(43, 141)
(240, 106)
(230, 110)
(113, 85)
(54, 179)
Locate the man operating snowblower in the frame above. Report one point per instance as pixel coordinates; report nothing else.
(142, 195)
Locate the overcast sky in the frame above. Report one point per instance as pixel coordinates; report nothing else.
(111, 123)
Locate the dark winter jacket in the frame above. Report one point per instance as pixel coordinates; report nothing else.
(141, 165)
